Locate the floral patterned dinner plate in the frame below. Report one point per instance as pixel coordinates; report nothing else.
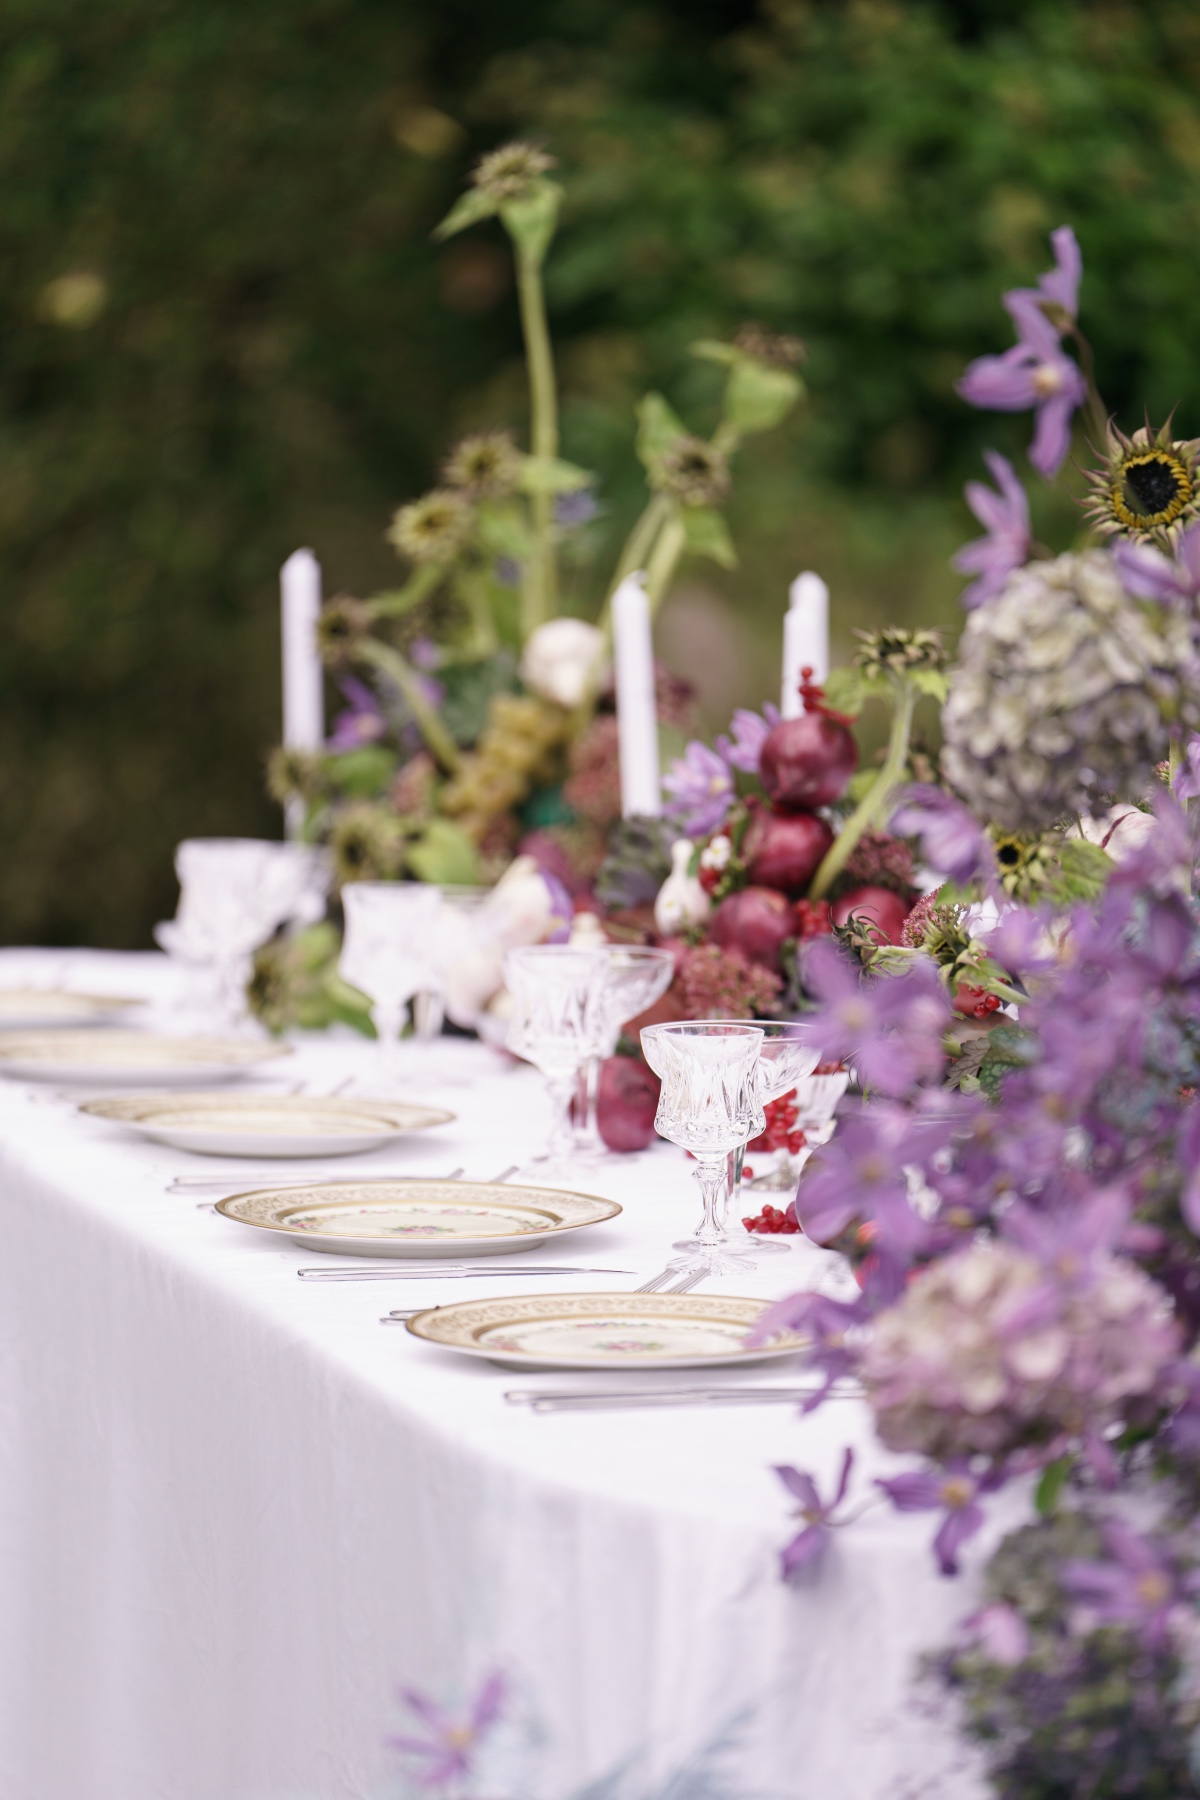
(120, 1057)
(32, 1009)
(417, 1218)
(267, 1124)
(613, 1331)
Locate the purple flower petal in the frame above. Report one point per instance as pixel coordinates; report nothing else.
(956, 1528)
(804, 1550)
(801, 1486)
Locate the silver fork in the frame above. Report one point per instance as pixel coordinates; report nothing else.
(207, 1184)
(664, 1282)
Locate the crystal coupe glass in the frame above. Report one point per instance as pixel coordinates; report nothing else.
(555, 989)
(389, 952)
(709, 1104)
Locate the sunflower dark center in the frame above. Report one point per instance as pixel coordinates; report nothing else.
(1155, 486)
(1008, 854)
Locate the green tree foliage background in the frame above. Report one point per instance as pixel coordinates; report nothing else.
(225, 331)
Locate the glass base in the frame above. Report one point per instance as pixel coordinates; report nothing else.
(727, 1259)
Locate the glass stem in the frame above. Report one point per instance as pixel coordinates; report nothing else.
(731, 1206)
(587, 1082)
(561, 1089)
(712, 1172)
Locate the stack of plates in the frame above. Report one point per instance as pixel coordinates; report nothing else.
(126, 1058)
(267, 1124)
(418, 1218)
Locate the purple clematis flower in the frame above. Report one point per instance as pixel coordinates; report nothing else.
(1150, 575)
(750, 732)
(810, 1544)
(1138, 1588)
(1036, 372)
(448, 1748)
(952, 840)
(1186, 781)
(889, 1028)
(956, 1492)
(700, 783)
(860, 1174)
(362, 723)
(1005, 518)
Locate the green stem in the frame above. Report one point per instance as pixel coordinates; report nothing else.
(398, 601)
(473, 587)
(389, 662)
(665, 559)
(540, 598)
(873, 802)
(1097, 416)
(635, 553)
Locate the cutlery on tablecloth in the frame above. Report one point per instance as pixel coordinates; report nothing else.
(688, 1279)
(544, 1400)
(435, 1271)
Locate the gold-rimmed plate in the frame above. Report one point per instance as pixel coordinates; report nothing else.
(417, 1218)
(605, 1331)
(267, 1124)
(36, 1009)
(129, 1058)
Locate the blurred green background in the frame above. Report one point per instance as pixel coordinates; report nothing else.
(226, 331)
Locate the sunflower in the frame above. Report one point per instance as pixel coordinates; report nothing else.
(433, 528)
(368, 844)
(774, 348)
(694, 471)
(898, 651)
(1147, 488)
(509, 172)
(343, 626)
(486, 465)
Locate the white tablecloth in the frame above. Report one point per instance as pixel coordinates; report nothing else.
(236, 1512)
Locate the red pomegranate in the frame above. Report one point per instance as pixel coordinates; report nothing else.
(808, 761)
(755, 921)
(885, 909)
(784, 850)
(626, 1101)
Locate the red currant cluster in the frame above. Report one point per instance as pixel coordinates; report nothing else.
(770, 1219)
(781, 1131)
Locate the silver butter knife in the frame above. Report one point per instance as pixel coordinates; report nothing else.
(544, 1400)
(448, 1271)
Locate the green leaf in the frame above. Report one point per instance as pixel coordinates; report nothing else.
(713, 350)
(1082, 873)
(551, 475)
(444, 854)
(363, 773)
(1053, 1480)
(845, 690)
(932, 682)
(502, 529)
(757, 396)
(468, 209)
(658, 427)
(530, 222)
(706, 534)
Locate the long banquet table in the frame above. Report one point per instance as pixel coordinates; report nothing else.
(237, 1513)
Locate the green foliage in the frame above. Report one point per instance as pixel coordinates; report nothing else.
(226, 331)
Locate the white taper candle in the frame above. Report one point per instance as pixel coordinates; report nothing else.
(637, 714)
(303, 685)
(805, 639)
(303, 678)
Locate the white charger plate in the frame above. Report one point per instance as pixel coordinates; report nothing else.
(33, 1009)
(417, 1218)
(124, 1058)
(605, 1331)
(267, 1124)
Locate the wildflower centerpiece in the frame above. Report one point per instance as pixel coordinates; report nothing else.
(479, 718)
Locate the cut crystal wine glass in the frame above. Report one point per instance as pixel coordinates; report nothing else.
(554, 988)
(784, 1061)
(389, 953)
(634, 977)
(709, 1104)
